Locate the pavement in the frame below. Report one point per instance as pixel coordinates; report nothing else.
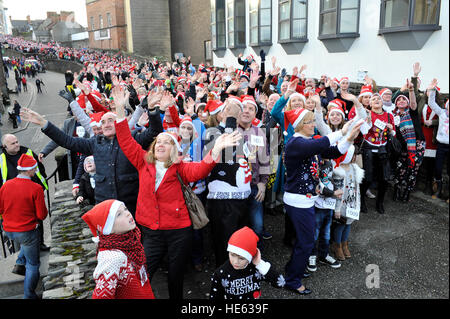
(53, 107)
(403, 254)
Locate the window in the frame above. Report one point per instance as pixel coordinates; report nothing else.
(100, 19)
(92, 23)
(208, 51)
(260, 22)
(109, 19)
(339, 18)
(406, 15)
(236, 23)
(292, 20)
(218, 24)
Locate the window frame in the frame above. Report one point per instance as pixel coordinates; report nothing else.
(411, 26)
(109, 21)
(214, 41)
(291, 20)
(100, 22)
(258, 10)
(338, 11)
(234, 32)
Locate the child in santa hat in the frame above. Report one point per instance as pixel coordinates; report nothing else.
(348, 206)
(87, 182)
(240, 277)
(121, 270)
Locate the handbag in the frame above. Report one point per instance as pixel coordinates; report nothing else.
(194, 205)
(393, 145)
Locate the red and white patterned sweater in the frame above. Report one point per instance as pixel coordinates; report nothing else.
(117, 277)
(377, 136)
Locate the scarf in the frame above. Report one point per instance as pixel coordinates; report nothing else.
(406, 128)
(129, 243)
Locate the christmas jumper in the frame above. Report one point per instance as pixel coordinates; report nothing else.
(22, 204)
(229, 283)
(302, 163)
(117, 277)
(377, 135)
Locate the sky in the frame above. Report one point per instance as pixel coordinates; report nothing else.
(37, 9)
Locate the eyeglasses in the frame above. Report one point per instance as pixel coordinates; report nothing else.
(310, 122)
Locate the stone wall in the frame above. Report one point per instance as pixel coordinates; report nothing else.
(72, 258)
(55, 65)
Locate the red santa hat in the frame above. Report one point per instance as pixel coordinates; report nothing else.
(344, 79)
(26, 163)
(401, 95)
(257, 122)
(336, 105)
(345, 158)
(235, 99)
(243, 242)
(181, 79)
(384, 91)
(214, 106)
(188, 120)
(366, 90)
(249, 99)
(96, 119)
(336, 81)
(175, 137)
(243, 74)
(299, 95)
(101, 217)
(294, 117)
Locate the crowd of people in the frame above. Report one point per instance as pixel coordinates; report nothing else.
(247, 140)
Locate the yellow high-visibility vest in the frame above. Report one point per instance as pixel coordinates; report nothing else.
(4, 169)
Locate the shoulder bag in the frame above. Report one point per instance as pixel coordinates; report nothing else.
(194, 205)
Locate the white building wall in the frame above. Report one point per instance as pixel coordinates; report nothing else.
(369, 52)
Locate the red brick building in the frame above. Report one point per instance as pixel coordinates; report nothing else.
(106, 24)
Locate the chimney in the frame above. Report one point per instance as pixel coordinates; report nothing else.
(68, 16)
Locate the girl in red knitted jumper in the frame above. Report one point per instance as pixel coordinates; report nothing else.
(121, 270)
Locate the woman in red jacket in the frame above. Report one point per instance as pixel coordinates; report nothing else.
(161, 209)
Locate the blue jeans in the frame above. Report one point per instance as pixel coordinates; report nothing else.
(256, 214)
(304, 223)
(341, 233)
(29, 256)
(322, 232)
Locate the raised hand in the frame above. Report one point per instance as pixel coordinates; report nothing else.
(66, 95)
(275, 71)
(225, 140)
(153, 98)
(355, 131)
(189, 106)
(32, 116)
(257, 258)
(167, 100)
(143, 119)
(416, 69)
(348, 96)
(303, 68)
(120, 99)
(433, 84)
